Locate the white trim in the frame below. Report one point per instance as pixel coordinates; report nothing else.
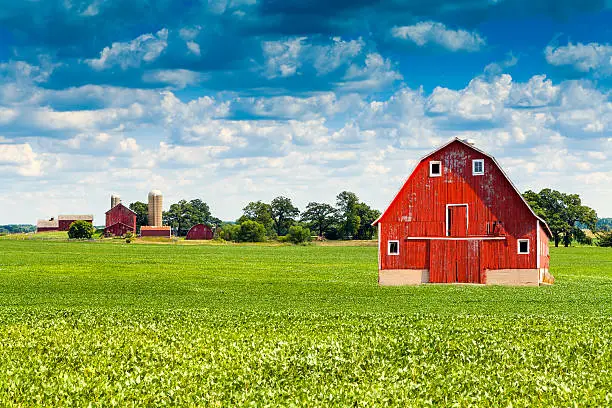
(456, 139)
(538, 244)
(458, 238)
(431, 163)
(518, 246)
(389, 247)
(467, 217)
(477, 173)
(379, 258)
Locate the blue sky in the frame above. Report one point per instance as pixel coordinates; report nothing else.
(239, 100)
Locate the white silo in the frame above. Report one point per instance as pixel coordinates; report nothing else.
(115, 199)
(155, 208)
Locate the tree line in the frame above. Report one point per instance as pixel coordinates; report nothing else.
(566, 217)
(349, 218)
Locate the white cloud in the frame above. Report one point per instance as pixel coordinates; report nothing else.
(145, 48)
(587, 58)
(430, 32)
(282, 57)
(376, 74)
(19, 158)
(179, 78)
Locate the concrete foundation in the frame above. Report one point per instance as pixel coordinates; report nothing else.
(512, 277)
(505, 277)
(398, 277)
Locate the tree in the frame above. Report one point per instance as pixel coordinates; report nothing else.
(283, 214)
(142, 213)
(348, 216)
(605, 239)
(81, 230)
(262, 213)
(298, 234)
(366, 216)
(320, 217)
(229, 232)
(251, 231)
(177, 217)
(562, 213)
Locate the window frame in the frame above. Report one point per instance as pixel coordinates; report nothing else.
(389, 247)
(431, 163)
(478, 173)
(518, 246)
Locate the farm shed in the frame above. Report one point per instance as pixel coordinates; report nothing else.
(65, 220)
(148, 231)
(200, 232)
(459, 219)
(120, 220)
(47, 225)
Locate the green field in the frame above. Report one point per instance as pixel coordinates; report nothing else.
(117, 324)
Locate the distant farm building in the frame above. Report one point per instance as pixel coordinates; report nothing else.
(459, 219)
(200, 232)
(47, 225)
(119, 219)
(149, 231)
(62, 223)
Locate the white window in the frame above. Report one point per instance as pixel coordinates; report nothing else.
(435, 168)
(523, 246)
(478, 167)
(393, 248)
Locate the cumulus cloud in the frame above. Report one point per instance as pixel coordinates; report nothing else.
(586, 58)
(145, 48)
(430, 32)
(178, 78)
(19, 158)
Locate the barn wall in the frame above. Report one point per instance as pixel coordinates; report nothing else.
(121, 214)
(200, 232)
(64, 225)
(544, 249)
(420, 210)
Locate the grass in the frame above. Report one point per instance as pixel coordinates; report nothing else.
(116, 324)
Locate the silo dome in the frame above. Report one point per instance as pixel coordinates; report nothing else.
(155, 193)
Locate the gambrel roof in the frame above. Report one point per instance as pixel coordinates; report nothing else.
(469, 145)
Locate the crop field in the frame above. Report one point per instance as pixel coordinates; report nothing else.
(107, 323)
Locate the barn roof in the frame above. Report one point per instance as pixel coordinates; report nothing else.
(83, 217)
(47, 224)
(121, 204)
(469, 145)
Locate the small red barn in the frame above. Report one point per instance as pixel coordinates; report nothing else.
(120, 220)
(47, 225)
(162, 232)
(64, 221)
(200, 232)
(458, 218)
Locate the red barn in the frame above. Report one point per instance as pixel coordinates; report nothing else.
(458, 218)
(120, 220)
(64, 221)
(200, 232)
(149, 231)
(47, 225)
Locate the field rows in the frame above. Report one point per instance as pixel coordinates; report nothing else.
(111, 324)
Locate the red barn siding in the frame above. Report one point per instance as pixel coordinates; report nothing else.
(155, 232)
(200, 232)
(420, 210)
(120, 220)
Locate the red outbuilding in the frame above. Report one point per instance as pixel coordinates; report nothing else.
(459, 219)
(161, 232)
(200, 232)
(64, 221)
(120, 220)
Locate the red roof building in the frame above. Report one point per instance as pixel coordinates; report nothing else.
(148, 231)
(64, 221)
(459, 219)
(200, 232)
(120, 220)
